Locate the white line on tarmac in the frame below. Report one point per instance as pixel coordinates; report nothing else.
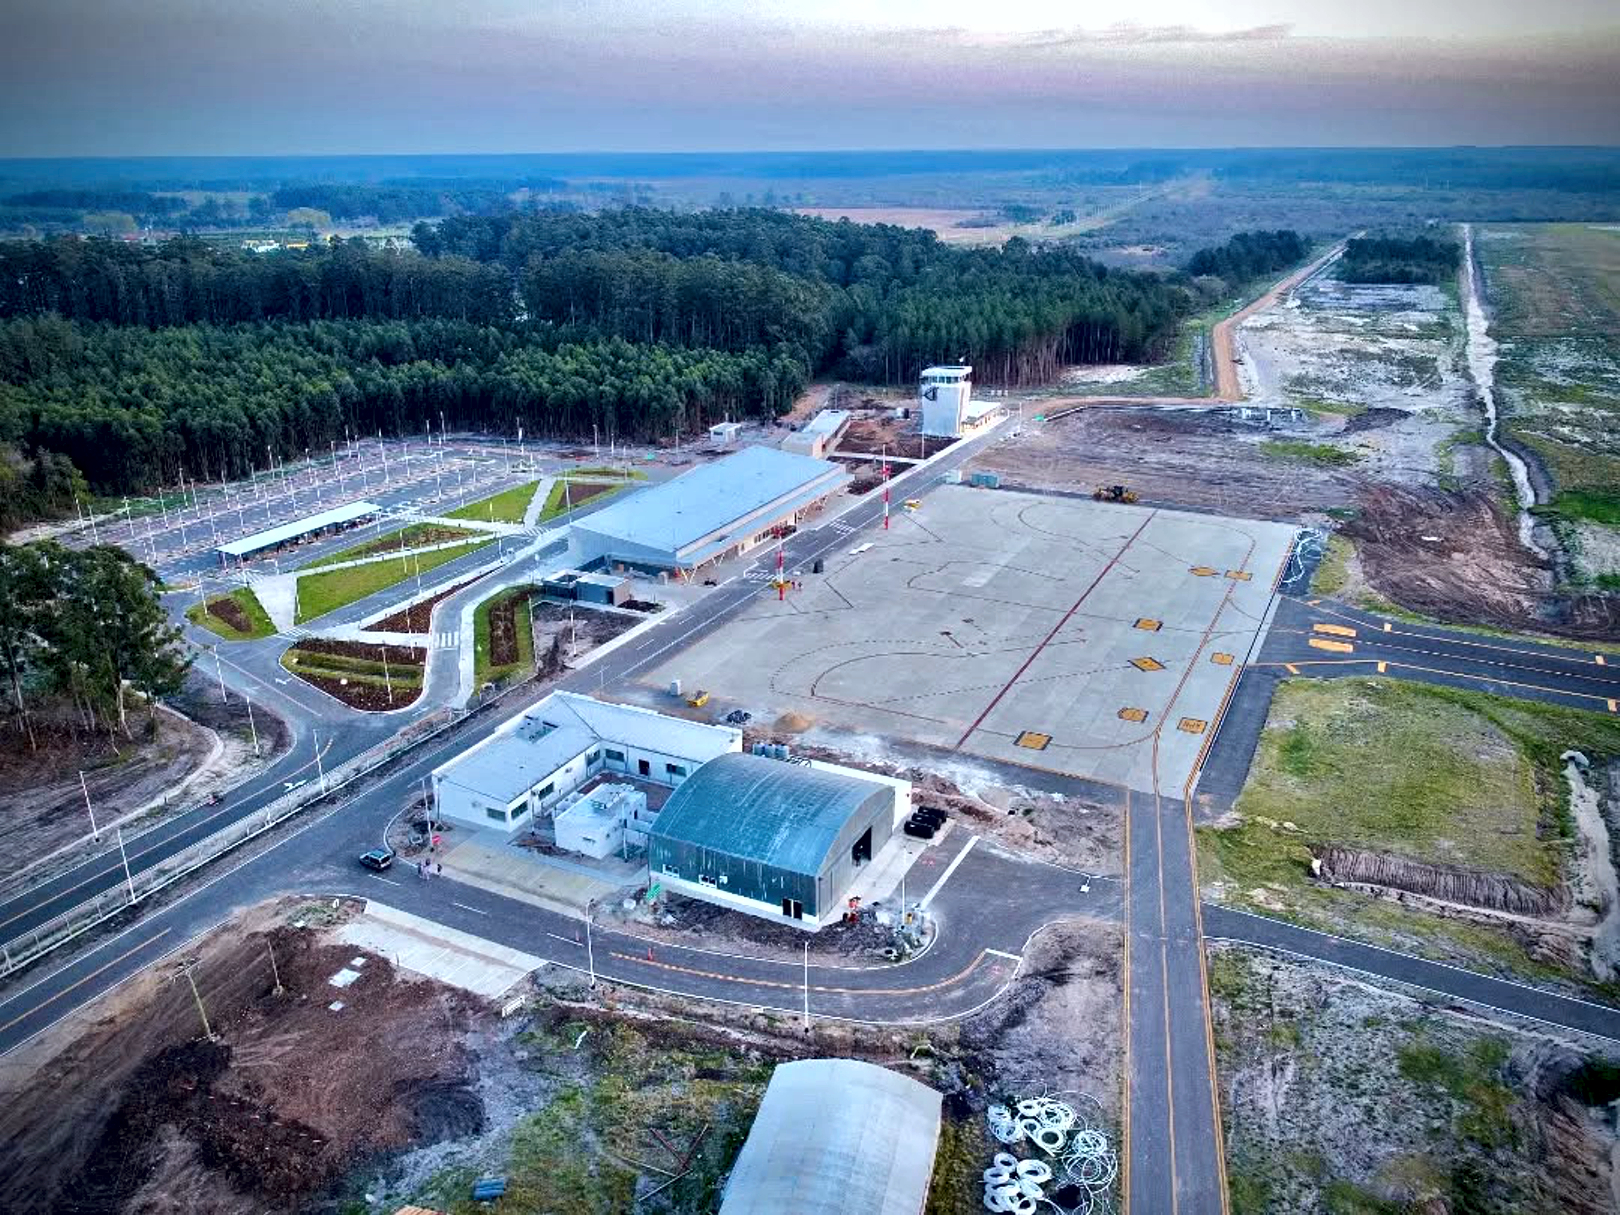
(949, 869)
(1002, 953)
(567, 940)
(380, 878)
(464, 907)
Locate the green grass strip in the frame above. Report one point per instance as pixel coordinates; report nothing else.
(319, 594)
(507, 506)
(244, 598)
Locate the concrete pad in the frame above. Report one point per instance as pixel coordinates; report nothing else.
(989, 617)
(503, 870)
(445, 954)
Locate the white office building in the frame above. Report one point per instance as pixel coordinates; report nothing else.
(536, 760)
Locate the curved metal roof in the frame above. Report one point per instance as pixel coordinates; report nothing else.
(837, 1137)
(781, 814)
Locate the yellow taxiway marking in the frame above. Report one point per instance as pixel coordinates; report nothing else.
(1335, 630)
(1221, 659)
(1147, 664)
(1291, 668)
(1337, 647)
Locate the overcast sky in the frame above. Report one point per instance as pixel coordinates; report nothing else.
(186, 77)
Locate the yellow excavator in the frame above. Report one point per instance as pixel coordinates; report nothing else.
(1114, 493)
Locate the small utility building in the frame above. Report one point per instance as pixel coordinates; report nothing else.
(769, 837)
(714, 511)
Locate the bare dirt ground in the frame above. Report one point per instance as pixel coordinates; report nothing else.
(1456, 557)
(128, 1107)
(202, 748)
(1341, 1096)
(879, 430)
(417, 617)
(1204, 459)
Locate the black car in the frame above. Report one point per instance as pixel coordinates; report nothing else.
(378, 859)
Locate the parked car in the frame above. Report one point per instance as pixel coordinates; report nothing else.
(377, 859)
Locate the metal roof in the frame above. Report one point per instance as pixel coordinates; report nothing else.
(784, 815)
(531, 747)
(679, 513)
(837, 1137)
(826, 422)
(271, 537)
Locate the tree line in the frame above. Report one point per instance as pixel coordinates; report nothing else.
(187, 281)
(1249, 255)
(132, 408)
(1393, 259)
(84, 627)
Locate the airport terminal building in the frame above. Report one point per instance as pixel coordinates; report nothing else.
(715, 511)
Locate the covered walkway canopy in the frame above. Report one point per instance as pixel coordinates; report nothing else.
(298, 529)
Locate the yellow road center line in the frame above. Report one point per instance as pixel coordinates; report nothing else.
(81, 982)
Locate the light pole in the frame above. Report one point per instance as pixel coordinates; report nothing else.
(219, 669)
(807, 987)
(197, 995)
(590, 952)
(124, 856)
(253, 729)
(319, 767)
(95, 831)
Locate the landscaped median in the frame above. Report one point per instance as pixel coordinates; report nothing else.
(319, 594)
(510, 623)
(1452, 805)
(508, 506)
(503, 642)
(417, 535)
(372, 677)
(237, 616)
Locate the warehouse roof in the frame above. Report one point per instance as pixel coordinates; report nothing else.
(836, 1137)
(715, 498)
(271, 537)
(826, 422)
(781, 814)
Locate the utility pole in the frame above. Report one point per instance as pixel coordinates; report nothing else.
(807, 987)
(387, 680)
(219, 670)
(197, 995)
(590, 953)
(275, 970)
(319, 767)
(95, 831)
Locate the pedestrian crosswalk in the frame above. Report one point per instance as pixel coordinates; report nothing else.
(759, 575)
(446, 641)
(845, 529)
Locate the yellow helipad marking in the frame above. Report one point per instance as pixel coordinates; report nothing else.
(1337, 630)
(1221, 659)
(1204, 571)
(1149, 625)
(1383, 668)
(1192, 725)
(1133, 714)
(1032, 740)
(1338, 647)
(1147, 664)
(1239, 575)
(1291, 668)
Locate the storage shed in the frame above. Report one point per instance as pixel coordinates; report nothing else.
(769, 837)
(837, 1137)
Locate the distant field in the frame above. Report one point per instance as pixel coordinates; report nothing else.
(1554, 293)
(947, 224)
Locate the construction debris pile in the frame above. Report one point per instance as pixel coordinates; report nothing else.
(1078, 1176)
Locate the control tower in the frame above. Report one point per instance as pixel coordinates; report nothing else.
(943, 396)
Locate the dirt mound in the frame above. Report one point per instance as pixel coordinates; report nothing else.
(793, 723)
(1374, 419)
(1457, 557)
(290, 1095)
(1472, 888)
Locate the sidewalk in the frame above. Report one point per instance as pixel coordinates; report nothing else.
(436, 951)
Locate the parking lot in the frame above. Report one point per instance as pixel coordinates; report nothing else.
(1099, 640)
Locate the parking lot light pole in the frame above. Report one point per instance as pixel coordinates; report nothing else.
(590, 953)
(124, 856)
(319, 767)
(253, 729)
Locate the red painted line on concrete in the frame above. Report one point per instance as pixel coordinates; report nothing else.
(1058, 628)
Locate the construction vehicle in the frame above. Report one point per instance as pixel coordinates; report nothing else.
(1114, 493)
(698, 699)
